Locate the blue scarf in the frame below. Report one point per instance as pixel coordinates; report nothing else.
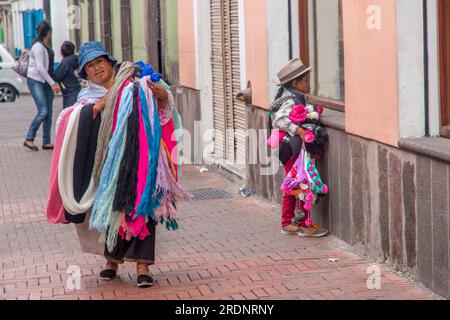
(148, 202)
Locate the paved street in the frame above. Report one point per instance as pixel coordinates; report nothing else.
(226, 249)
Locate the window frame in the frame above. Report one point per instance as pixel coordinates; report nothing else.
(303, 7)
(444, 51)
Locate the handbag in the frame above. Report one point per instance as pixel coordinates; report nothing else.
(22, 63)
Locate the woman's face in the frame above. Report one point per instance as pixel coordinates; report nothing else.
(99, 70)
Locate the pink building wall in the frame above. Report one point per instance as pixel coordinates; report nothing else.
(256, 46)
(186, 42)
(370, 57)
(371, 90)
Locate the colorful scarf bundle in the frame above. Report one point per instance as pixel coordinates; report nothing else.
(137, 176)
(304, 182)
(138, 182)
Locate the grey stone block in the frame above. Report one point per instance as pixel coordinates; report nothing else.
(384, 199)
(424, 222)
(322, 209)
(333, 172)
(266, 157)
(367, 195)
(357, 191)
(272, 189)
(252, 152)
(409, 204)
(440, 212)
(189, 107)
(278, 182)
(395, 209)
(344, 187)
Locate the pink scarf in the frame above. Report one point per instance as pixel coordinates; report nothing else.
(138, 227)
(168, 137)
(55, 208)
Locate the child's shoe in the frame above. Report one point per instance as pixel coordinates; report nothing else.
(314, 232)
(291, 230)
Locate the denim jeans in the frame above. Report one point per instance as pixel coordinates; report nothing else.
(43, 97)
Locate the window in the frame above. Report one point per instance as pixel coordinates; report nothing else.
(321, 46)
(444, 49)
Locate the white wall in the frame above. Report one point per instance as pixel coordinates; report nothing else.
(295, 28)
(278, 40)
(60, 25)
(204, 71)
(17, 25)
(410, 60)
(433, 72)
(29, 4)
(18, 6)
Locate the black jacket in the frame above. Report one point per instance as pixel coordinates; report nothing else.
(65, 75)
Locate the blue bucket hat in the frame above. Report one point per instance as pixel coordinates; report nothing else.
(89, 51)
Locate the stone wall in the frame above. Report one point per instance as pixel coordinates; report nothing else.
(188, 105)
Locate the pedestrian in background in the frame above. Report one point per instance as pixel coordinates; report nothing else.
(42, 86)
(65, 75)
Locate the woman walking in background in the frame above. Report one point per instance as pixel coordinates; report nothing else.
(42, 86)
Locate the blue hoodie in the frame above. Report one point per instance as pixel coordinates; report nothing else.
(65, 75)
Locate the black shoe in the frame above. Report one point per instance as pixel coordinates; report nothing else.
(33, 148)
(108, 275)
(144, 281)
(48, 147)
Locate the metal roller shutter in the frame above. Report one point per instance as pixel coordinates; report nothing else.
(229, 114)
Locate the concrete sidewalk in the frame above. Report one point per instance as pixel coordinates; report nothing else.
(228, 248)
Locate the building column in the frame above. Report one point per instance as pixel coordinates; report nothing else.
(153, 33)
(126, 30)
(105, 24)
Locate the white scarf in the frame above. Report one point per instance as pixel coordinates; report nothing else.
(65, 169)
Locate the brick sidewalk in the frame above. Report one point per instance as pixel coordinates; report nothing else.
(226, 249)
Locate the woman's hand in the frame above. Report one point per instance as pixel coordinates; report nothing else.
(158, 91)
(99, 106)
(55, 88)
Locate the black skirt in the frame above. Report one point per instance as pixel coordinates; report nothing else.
(135, 250)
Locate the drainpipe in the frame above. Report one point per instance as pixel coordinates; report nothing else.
(426, 68)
